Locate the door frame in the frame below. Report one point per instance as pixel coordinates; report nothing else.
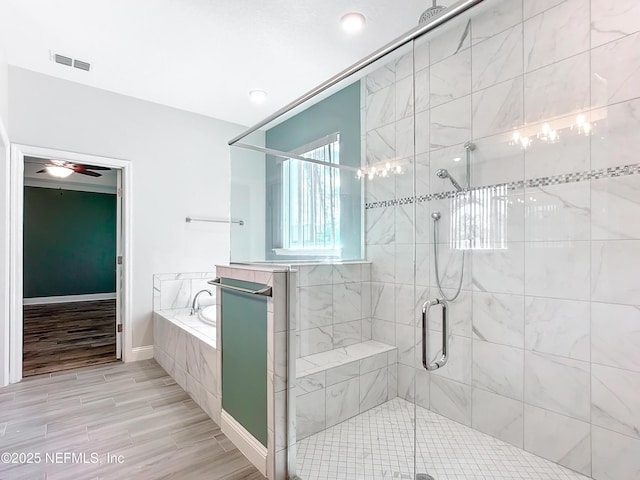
(4, 267)
(16, 265)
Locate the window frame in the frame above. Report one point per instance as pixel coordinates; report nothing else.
(314, 250)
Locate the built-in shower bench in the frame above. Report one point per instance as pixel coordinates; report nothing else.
(370, 352)
(338, 384)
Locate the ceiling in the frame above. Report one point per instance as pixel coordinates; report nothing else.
(203, 56)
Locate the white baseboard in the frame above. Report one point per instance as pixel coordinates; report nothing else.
(69, 298)
(251, 448)
(140, 353)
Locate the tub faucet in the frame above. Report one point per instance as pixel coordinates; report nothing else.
(195, 306)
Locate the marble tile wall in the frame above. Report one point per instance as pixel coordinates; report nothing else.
(333, 306)
(546, 332)
(176, 290)
(352, 385)
(334, 316)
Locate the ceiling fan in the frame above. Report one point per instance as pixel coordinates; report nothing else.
(61, 169)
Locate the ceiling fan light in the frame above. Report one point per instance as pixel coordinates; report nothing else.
(58, 171)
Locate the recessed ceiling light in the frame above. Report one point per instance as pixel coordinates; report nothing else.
(258, 96)
(352, 22)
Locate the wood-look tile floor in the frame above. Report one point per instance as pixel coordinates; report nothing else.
(134, 412)
(62, 336)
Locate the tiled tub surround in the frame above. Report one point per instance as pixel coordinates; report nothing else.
(176, 290)
(191, 351)
(191, 360)
(546, 333)
(183, 345)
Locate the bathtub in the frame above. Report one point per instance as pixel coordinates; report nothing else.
(185, 347)
(201, 324)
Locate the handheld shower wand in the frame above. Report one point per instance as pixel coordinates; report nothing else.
(443, 173)
(436, 216)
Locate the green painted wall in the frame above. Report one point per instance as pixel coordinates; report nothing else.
(69, 242)
(244, 357)
(338, 113)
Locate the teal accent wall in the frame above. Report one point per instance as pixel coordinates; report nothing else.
(69, 242)
(244, 357)
(338, 113)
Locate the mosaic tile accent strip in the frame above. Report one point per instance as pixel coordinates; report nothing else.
(610, 172)
(379, 444)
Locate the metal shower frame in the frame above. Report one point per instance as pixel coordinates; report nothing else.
(449, 14)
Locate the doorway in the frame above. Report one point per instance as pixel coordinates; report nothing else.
(70, 241)
(80, 321)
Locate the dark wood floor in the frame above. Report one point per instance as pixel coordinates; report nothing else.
(61, 336)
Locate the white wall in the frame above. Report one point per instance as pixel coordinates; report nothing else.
(180, 168)
(4, 257)
(4, 168)
(4, 115)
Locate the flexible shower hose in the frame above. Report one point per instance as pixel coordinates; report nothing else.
(435, 256)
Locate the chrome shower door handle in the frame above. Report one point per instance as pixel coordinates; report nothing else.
(425, 334)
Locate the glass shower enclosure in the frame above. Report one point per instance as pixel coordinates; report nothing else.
(439, 209)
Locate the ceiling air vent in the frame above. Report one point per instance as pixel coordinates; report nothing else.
(62, 60)
(82, 65)
(70, 62)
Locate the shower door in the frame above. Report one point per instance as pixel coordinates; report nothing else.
(443, 298)
(479, 170)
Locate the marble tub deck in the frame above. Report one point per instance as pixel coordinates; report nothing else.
(192, 323)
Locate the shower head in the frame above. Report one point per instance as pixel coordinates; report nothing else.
(430, 13)
(443, 173)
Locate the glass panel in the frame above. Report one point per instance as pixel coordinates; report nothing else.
(248, 210)
(501, 119)
(387, 431)
(316, 172)
(482, 175)
(351, 421)
(306, 170)
(451, 220)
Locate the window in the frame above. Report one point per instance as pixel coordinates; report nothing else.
(311, 200)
